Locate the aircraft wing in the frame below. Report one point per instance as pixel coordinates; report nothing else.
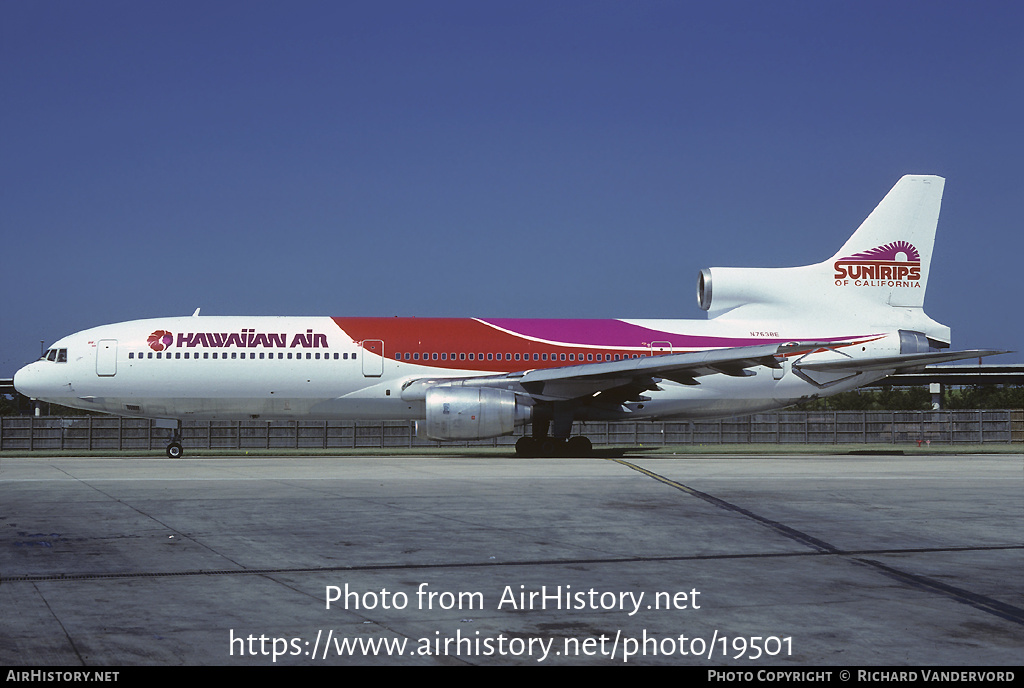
(617, 382)
(620, 381)
(586, 379)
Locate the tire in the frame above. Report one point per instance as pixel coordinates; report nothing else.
(527, 447)
(174, 450)
(579, 446)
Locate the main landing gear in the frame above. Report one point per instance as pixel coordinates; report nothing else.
(531, 447)
(538, 443)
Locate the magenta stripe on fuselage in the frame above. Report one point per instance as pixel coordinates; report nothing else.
(615, 333)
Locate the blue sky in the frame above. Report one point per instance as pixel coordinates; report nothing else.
(494, 159)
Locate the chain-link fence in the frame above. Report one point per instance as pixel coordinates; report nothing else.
(794, 427)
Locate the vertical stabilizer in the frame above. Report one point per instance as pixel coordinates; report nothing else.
(879, 276)
(891, 251)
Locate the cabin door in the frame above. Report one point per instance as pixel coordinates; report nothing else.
(106, 357)
(373, 358)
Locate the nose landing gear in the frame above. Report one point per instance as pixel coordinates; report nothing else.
(174, 450)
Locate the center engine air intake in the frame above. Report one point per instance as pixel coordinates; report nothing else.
(704, 289)
(471, 413)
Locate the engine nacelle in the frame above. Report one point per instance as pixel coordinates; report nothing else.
(758, 289)
(471, 413)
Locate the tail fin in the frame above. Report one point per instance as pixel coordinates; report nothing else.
(882, 268)
(892, 249)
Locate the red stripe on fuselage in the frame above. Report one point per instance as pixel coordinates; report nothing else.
(457, 338)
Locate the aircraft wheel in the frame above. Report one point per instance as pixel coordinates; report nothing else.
(174, 450)
(527, 447)
(579, 446)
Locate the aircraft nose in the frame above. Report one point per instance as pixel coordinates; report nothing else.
(28, 381)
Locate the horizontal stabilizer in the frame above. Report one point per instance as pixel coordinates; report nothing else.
(897, 363)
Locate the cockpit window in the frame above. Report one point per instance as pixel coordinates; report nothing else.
(55, 355)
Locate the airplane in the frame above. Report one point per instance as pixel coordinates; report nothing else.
(773, 337)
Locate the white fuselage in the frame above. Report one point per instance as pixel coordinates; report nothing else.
(328, 368)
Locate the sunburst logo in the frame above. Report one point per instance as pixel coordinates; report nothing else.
(160, 340)
(897, 264)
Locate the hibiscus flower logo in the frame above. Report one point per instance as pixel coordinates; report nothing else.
(160, 340)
